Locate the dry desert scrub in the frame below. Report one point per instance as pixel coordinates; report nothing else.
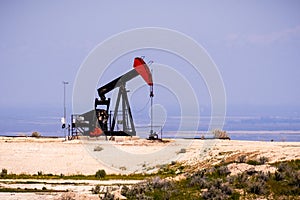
(218, 183)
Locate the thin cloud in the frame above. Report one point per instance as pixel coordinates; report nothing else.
(285, 35)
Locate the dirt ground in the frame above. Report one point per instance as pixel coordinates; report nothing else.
(122, 156)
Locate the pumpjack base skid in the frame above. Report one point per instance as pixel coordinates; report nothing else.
(118, 133)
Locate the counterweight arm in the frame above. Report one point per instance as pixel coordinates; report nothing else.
(116, 83)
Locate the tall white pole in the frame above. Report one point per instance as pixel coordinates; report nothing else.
(65, 110)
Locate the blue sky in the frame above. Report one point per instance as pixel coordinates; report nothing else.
(255, 45)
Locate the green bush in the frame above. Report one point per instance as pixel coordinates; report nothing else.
(257, 187)
(3, 173)
(98, 148)
(295, 179)
(251, 171)
(182, 151)
(108, 196)
(218, 190)
(36, 134)
(263, 160)
(197, 181)
(219, 172)
(242, 159)
(96, 189)
(278, 176)
(263, 176)
(240, 180)
(253, 162)
(223, 171)
(220, 134)
(100, 173)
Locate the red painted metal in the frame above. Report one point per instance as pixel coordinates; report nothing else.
(142, 68)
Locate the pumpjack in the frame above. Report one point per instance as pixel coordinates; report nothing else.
(103, 121)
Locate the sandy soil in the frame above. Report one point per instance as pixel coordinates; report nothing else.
(30, 155)
(56, 156)
(79, 189)
(215, 152)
